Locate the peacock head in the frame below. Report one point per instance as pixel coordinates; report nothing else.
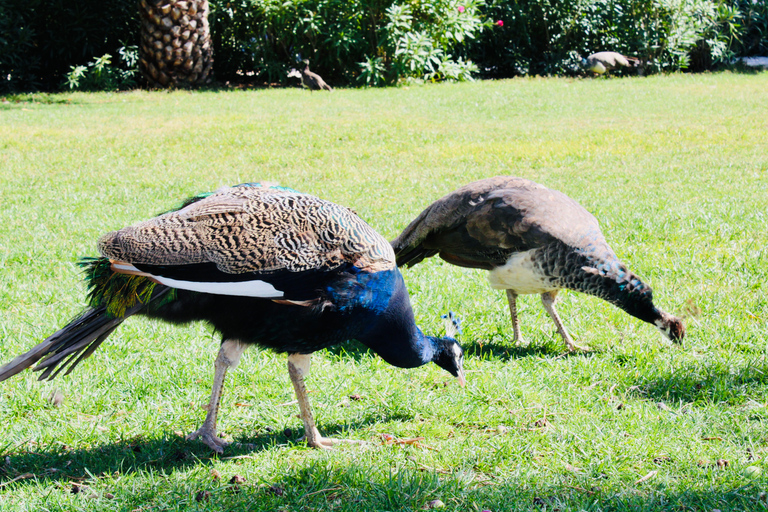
(671, 327)
(450, 356)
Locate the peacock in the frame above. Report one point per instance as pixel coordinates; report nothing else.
(313, 81)
(601, 62)
(532, 240)
(264, 265)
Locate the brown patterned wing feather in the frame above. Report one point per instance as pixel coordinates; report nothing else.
(253, 229)
(482, 223)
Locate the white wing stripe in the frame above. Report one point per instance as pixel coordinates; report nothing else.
(241, 289)
(255, 288)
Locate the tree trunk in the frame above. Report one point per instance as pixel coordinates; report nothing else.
(176, 48)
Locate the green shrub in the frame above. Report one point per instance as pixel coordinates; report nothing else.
(752, 33)
(40, 40)
(365, 42)
(47, 43)
(550, 36)
(101, 75)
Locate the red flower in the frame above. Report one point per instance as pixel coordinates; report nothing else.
(500, 23)
(461, 8)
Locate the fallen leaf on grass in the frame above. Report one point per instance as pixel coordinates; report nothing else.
(423, 467)
(20, 477)
(573, 469)
(56, 398)
(647, 477)
(411, 441)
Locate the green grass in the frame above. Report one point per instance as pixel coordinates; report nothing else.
(675, 168)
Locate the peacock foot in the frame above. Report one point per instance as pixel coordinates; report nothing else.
(315, 440)
(208, 436)
(573, 347)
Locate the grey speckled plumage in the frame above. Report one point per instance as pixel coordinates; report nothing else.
(532, 239)
(313, 81)
(602, 62)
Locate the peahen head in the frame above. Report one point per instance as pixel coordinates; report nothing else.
(671, 327)
(449, 356)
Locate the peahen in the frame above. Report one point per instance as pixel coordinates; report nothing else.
(264, 265)
(532, 240)
(601, 62)
(313, 81)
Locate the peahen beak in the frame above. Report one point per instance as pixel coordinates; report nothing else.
(462, 379)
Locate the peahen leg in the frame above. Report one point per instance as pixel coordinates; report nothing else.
(298, 368)
(518, 336)
(548, 299)
(229, 356)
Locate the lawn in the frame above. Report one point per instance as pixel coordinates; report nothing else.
(674, 167)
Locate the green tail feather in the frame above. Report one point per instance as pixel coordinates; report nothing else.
(116, 292)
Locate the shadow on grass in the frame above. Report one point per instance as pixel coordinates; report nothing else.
(481, 349)
(171, 452)
(714, 382)
(355, 487)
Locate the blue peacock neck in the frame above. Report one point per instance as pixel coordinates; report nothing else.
(392, 332)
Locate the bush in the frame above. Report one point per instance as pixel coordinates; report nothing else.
(102, 75)
(40, 40)
(47, 43)
(752, 33)
(551, 36)
(365, 42)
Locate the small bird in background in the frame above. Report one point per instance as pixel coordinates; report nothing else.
(312, 81)
(531, 239)
(264, 265)
(602, 62)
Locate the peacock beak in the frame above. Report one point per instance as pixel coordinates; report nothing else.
(462, 379)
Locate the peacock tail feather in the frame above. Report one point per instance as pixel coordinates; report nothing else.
(116, 292)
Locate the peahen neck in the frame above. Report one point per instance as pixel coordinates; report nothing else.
(610, 280)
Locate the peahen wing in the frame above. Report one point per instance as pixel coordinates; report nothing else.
(482, 223)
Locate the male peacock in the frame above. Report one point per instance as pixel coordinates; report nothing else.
(532, 240)
(264, 265)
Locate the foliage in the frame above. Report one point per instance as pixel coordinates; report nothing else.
(40, 40)
(44, 44)
(368, 42)
(551, 36)
(101, 75)
(751, 37)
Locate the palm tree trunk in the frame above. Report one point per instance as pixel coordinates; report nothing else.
(176, 48)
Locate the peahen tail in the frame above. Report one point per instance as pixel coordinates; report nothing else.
(114, 298)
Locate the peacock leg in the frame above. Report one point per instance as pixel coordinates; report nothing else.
(518, 335)
(548, 299)
(229, 356)
(298, 368)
